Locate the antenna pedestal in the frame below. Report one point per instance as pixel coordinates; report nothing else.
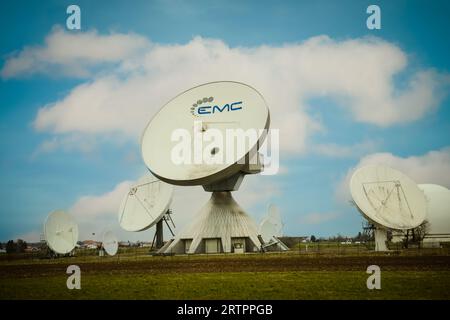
(380, 235)
(232, 183)
(159, 234)
(219, 226)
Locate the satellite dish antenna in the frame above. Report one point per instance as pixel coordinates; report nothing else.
(213, 108)
(271, 225)
(387, 198)
(110, 243)
(147, 203)
(270, 228)
(61, 232)
(438, 212)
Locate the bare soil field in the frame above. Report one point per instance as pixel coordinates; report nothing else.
(211, 264)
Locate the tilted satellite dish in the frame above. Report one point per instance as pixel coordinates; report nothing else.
(145, 204)
(438, 212)
(387, 198)
(110, 243)
(198, 114)
(61, 232)
(271, 226)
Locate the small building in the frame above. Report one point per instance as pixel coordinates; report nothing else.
(90, 244)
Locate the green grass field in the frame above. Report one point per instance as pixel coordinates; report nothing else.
(244, 285)
(136, 275)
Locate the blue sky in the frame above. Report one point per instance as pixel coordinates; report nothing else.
(36, 180)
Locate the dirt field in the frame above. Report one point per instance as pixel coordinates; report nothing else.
(253, 263)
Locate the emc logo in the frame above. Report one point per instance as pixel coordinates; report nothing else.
(202, 107)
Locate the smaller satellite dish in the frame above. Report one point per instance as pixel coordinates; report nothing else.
(271, 225)
(145, 204)
(110, 243)
(387, 197)
(61, 232)
(438, 205)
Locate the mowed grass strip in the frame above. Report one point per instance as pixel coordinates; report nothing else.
(235, 285)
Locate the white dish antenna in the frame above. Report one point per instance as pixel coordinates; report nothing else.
(438, 209)
(271, 225)
(145, 204)
(110, 243)
(61, 232)
(200, 111)
(198, 117)
(387, 197)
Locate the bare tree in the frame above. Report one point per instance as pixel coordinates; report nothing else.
(419, 233)
(416, 235)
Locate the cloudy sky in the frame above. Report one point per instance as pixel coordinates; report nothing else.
(74, 103)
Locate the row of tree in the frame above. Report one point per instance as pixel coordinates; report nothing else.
(415, 235)
(340, 238)
(14, 247)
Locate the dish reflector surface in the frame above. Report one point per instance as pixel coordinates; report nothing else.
(438, 208)
(216, 105)
(61, 232)
(110, 243)
(387, 197)
(145, 204)
(271, 225)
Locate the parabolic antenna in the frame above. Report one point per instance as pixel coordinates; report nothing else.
(110, 243)
(220, 223)
(145, 204)
(438, 211)
(210, 136)
(387, 197)
(271, 225)
(201, 112)
(61, 232)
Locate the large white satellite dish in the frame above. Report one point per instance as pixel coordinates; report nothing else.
(61, 232)
(438, 212)
(145, 204)
(110, 243)
(216, 107)
(387, 198)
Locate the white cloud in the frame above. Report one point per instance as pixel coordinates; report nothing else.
(30, 237)
(73, 54)
(342, 151)
(48, 146)
(356, 73)
(98, 213)
(100, 206)
(85, 144)
(432, 167)
(319, 217)
(256, 189)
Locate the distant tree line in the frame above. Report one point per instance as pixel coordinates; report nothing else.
(361, 236)
(411, 236)
(15, 247)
